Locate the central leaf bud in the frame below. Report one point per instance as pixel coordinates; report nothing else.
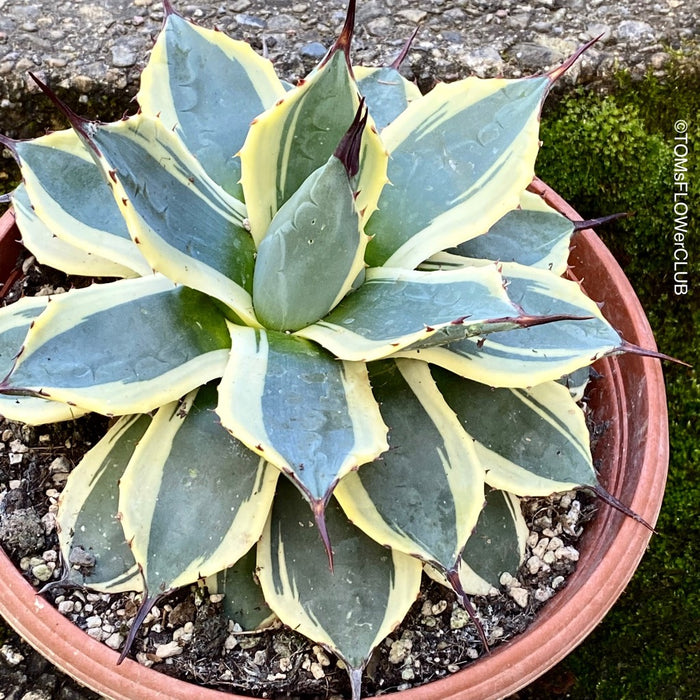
(314, 248)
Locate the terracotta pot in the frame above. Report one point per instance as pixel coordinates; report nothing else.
(629, 397)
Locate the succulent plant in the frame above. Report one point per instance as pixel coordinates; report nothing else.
(335, 346)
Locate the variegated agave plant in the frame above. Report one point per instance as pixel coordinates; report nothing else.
(337, 334)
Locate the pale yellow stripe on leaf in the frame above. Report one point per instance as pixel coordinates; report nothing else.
(164, 146)
(65, 311)
(245, 530)
(120, 398)
(360, 509)
(36, 411)
(369, 429)
(282, 594)
(471, 582)
(120, 250)
(73, 497)
(139, 488)
(487, 200)
(492, 370)
(50, 249)
(403, 593)
(557, 398)
(155, 98)
(461, 464)
(240, 392)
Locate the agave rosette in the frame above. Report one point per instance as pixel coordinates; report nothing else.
(336, 334)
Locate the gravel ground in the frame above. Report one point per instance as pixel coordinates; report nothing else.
(96, 50)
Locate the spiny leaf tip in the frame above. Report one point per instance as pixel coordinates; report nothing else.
(348, 150)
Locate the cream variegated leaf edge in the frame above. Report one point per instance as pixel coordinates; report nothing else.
(341, 434)
(146, 139)
(201, 349)
(88, 234)
(88, 515)
(246, 85)
(150, 511)
(529, 356)
(376, 321)
(549, 453)
(55, 252)
(15, 321)
(334, 610)
(272, 139)
(456, 458)
(479, 203)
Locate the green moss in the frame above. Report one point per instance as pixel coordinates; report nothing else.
(615, 153)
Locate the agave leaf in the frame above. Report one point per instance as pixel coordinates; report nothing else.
(298, 135)
(496, 546)
(70, 196)
(193, 499)
(498, 542)
(313, 417)
(534, 234)
(537, 354)
(186, 226)
(386, 92)
(349, 610)
(244, 601)
(478, 139)
(124, 347)
(576, 382)
(51, 250)
(424, 495)
(88, 514)
(531, 442)
(397, 308)
(211, 116)
(314, 236)
(15, 321)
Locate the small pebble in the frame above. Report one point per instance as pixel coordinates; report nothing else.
(144, 659)
(439, 607)
(557, 582)
(42, 571)
(18, 447)
(167, 651)
(317, 670)
(321, 656)
(520, 596)
(459, 618)
(10, 655)
(399, 650)
(542, 595)
(115, 640)
(66, 606)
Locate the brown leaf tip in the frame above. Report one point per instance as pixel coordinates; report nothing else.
(348, 150)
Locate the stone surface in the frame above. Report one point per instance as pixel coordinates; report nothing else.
(94, 50)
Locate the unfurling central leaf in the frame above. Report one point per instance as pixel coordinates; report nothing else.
(314, 248)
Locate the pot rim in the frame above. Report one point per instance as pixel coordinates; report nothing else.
(611, 550)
